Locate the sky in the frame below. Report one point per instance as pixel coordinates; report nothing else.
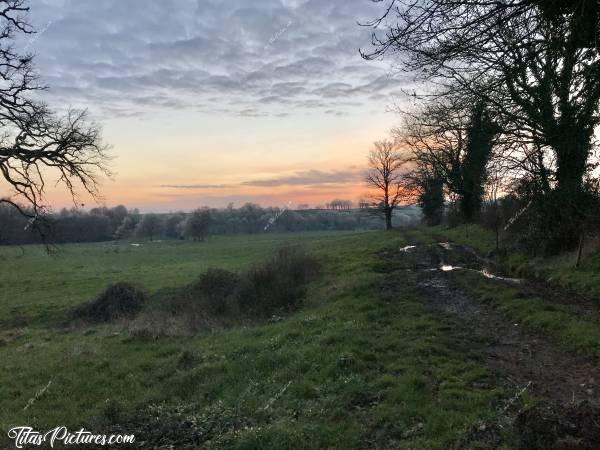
(207, 102)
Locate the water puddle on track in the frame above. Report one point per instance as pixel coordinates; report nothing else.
(443, 267)
(407, 248)
(490, 275)
(486, 273)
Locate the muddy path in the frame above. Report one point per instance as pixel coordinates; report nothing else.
(521, 360)
(550, 291)
(519, 356)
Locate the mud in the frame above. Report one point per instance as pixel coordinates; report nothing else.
(521, 360)
(570, 426)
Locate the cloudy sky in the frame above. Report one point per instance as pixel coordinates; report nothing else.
(207, 102)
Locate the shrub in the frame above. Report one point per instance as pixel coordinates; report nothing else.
(221, 298)
(214, 288)
(120, 300)
(205, 302)
(279, 283)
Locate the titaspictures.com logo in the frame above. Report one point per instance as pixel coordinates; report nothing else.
(27, 436)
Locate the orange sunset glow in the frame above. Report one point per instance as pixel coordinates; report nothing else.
(192, 123)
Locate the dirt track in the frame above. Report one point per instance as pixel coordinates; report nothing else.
(520, 359)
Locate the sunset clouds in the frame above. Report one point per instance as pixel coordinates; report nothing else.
(209, 87)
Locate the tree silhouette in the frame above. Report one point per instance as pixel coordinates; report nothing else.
(385, 176)
(35, 143)
(534, 63)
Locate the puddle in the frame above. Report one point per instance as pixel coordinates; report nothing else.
(484, 272)
(443, 267)
(490, 275)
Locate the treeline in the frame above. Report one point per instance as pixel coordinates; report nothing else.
(105, 224)
(69, 225)
(505, 132)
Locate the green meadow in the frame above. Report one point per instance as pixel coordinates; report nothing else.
(363, 364)
(351, 369)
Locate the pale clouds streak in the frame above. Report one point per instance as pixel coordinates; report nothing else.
(309, 177)
(301, 178)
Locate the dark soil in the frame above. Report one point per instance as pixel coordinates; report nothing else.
(571, 426)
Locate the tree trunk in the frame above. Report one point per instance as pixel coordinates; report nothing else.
(388, 219)
(497, 230)
(572, 152)
(567, 206)
(580, 249)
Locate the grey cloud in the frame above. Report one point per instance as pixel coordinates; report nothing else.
(251, 113)
(262, 56)
(309, 177)
(335, 113)
(195, 186)
(271, 99)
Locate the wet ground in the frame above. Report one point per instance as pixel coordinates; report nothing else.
(521, 360)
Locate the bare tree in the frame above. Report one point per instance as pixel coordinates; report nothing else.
(36, 145)
(150, 226)
(436, 135)
(385, 177)
(340, 205)
(451, 145)
(197, 224)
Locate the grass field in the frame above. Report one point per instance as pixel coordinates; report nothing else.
(36, 288)
(349, 370)
(364, 364)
